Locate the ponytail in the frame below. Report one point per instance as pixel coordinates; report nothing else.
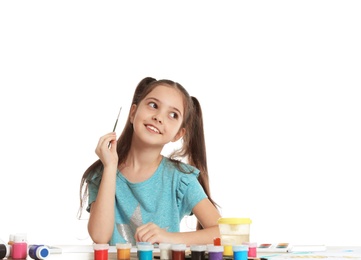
(197, 150)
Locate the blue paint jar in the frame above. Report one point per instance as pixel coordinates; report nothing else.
(145, 252)
(240, 252)
(38, 252)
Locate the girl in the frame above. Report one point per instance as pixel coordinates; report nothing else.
(136, 194)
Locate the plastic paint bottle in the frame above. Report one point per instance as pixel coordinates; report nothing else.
(227, 250)
(20, 247)
(101, 251)
(141, 243)
(38, 252)
(178, 251)
(240, 252)
(10, 243)
(198, 252)
(215, 252)
(123, 251)
(217, 241)
(4, 251)
(165, 251)
(11, 239)
(252, 249)
(145, 251)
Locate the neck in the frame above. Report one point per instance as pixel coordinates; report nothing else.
(140, 164)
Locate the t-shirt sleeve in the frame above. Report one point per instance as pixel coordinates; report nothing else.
(190, 192)
(93, 187)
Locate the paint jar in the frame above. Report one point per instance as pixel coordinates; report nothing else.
(165, 251)
(234, 231)
(123, 251)
(198, 252)
(145, 251)
(38, 252)
(217, 241)
(19, 247)
(101, 251)
(141, 243)
(178, 251)
(11, 239)
(10, 243)
(4, 251)
(240, 252)
(215, 252)
(252, 249)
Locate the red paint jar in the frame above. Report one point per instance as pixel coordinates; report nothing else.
(101, 251)
(178, 251)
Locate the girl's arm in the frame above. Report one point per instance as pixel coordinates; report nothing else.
(101, 219)
(206, 213)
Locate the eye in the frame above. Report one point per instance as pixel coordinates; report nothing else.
(173, 115)
(152, 104)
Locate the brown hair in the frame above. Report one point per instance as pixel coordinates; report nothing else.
(193, 147)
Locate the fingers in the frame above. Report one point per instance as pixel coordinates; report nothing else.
(106, 139)
(151, 233)
(106, 153)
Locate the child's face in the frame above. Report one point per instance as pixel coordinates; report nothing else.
(158, 118)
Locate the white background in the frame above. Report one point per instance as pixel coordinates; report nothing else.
(278, 81)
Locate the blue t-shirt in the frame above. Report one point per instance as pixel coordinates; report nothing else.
(164, 199)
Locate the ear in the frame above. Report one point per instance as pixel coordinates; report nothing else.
(133, 108)
(179, 135)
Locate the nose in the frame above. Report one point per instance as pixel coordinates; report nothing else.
(157, 118)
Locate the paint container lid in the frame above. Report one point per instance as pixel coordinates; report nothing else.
(250, 244)
(215, 249)
(145, 247)
(165, 246)
(42, 252)
(101, 246)
(234, 221)
(198, 248)
(123, 245)
(4, 251)
(20, 238)
(11, 237)
(143, 243)
(237, 248)
(179, 247)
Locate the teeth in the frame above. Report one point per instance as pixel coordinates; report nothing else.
(153, 128)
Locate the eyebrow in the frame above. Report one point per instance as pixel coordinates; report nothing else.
(174, 108)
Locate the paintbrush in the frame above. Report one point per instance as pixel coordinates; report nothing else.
(116, 122)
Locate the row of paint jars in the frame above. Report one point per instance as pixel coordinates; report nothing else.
(198, 252)
(169, 251)
(173, 251)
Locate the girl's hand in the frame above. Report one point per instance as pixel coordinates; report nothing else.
(152, 233)
(107, 149)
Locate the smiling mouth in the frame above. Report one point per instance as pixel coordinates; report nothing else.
(153, 129)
